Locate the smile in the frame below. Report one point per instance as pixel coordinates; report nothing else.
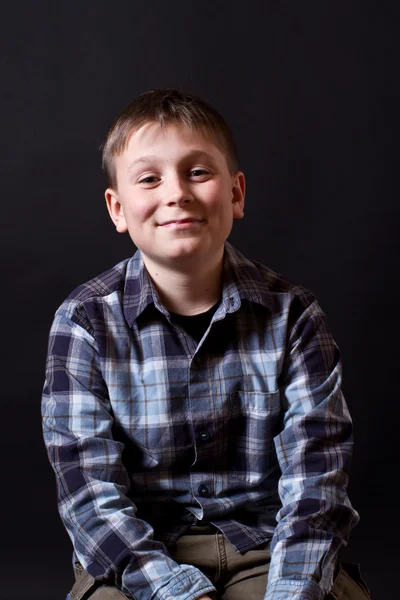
(182, 223)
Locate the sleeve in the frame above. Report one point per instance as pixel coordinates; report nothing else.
(314, 452)
(110, 542)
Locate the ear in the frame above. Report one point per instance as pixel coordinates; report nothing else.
(115, 210)
(238, 194)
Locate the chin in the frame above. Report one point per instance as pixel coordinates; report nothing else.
(186, 248)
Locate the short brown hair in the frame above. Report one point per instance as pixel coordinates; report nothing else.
(166, 106)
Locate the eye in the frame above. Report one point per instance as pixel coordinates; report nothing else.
(199, 173)
(149, 180)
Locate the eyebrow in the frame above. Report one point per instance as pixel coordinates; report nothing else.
(191, 155)
(143, 160)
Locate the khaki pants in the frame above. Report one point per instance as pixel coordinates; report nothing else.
(236, 576)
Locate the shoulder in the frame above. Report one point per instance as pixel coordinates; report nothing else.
(256, 281)
(88, 300)
(279, 284)
(108, 282)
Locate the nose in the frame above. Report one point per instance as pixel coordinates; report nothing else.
(177, 191)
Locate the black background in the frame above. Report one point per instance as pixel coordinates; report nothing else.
(311, 92)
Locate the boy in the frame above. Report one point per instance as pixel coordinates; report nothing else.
(192, 407)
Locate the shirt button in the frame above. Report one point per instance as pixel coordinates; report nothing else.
(203, 491)
(204, 435)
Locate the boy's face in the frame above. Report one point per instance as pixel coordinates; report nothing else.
(175, 196)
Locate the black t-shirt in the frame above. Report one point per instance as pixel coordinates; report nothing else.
(195, 325)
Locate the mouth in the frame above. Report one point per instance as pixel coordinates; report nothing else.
(181, 222)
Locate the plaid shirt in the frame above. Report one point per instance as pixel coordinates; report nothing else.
(149, 432)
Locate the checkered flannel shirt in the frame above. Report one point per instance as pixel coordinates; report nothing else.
(150, 432)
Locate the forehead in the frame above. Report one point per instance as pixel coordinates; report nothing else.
(171, 138)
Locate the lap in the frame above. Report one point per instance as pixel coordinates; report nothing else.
(235, 576)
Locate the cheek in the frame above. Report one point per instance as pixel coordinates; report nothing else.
(220, 197)
(140, 211)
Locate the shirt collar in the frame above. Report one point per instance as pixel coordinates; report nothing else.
(242, 280)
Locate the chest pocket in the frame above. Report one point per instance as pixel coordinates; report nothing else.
(254, 420)
(255, 403)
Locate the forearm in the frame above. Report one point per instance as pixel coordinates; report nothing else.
(316, 516)
(314, 452)
(305, 547)
(112, 544)
(109, 539)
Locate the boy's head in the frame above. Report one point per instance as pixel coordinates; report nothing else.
(174, 184)
(167, 106)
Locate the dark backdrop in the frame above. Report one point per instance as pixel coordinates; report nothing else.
(311, 91)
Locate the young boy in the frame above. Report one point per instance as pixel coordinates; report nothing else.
(192, 407)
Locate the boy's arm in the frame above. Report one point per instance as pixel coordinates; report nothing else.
(314, 451)
(110, 542)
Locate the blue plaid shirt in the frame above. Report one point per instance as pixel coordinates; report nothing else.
(149, 431)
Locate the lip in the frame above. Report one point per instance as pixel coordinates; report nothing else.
(181, 222)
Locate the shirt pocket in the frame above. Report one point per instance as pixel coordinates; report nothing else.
(255, 419)
(255, 403)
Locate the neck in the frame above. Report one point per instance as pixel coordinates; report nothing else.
(188, 291)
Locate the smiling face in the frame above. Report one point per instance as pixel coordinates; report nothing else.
(175, 196)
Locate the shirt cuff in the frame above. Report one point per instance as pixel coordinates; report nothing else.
(188, 584)
(295, 590)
